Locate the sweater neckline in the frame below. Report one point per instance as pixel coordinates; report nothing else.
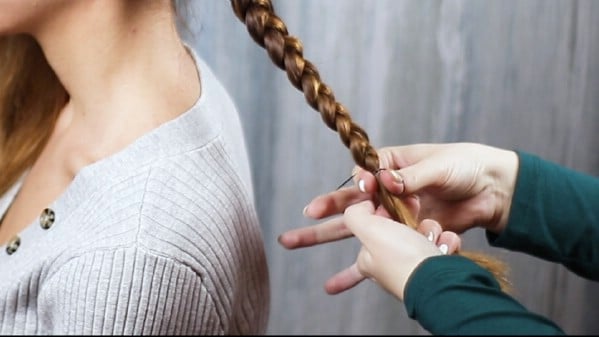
(182, 133)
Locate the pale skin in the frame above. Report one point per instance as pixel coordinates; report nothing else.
(126, 71)
(449, 187)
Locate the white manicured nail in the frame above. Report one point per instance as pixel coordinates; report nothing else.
(430, 236)
(443, 248)
(361, 186)
(396, 176)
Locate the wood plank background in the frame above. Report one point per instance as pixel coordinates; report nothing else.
(520, 74)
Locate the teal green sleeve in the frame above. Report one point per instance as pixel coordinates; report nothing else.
(451, 295)
(554, 216)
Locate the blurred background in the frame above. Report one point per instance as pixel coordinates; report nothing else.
(518, 74)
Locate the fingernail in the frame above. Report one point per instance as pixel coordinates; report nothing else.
(443, 248)
(305, 210)
(396, 176)
(362, 186)
(430, 236)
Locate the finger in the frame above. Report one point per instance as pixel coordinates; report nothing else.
(431, 229)
(393, 182)
(366, 182)
(411, 203)
(449, 242)
(358, 215)
(359, 219)
(413, 168)
(334, 202)
(356, 172)
(381, 211)
(425, 173)
(395, 157)
(328, 231)
(454, 216)
(344, 280)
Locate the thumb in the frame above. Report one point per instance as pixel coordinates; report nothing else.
(362, 221)
(413, 178)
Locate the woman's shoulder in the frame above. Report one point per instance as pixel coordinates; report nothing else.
(191, 208)
(190, 192)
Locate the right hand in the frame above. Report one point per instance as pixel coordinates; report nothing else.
(460, 185)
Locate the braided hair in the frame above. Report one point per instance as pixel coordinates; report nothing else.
(286, 52)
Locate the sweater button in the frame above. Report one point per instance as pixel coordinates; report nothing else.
(13, 245)
(47, 218)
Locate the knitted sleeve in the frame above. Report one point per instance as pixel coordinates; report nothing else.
(451, 295)
(554, 216)
(127, 291)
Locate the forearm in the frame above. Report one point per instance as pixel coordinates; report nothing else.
(453, 295)
(554, 215)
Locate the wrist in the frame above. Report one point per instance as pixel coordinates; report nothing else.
(504, 172)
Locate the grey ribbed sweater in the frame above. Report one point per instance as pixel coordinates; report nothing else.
(159, 238)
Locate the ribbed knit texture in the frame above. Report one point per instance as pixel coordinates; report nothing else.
(159, 238)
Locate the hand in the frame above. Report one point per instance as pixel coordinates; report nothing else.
(390, 250)
(461, 185)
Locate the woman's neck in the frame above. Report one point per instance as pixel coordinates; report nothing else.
(114, 55)
(123, 65)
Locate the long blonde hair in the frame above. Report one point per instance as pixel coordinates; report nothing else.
(31, 97)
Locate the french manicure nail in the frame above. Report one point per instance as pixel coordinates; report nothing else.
(430, 236)
(361, 186)
(443, 248)
(396, 176)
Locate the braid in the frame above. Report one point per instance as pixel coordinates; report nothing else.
(286, 52)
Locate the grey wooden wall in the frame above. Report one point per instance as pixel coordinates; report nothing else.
(512, 73)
